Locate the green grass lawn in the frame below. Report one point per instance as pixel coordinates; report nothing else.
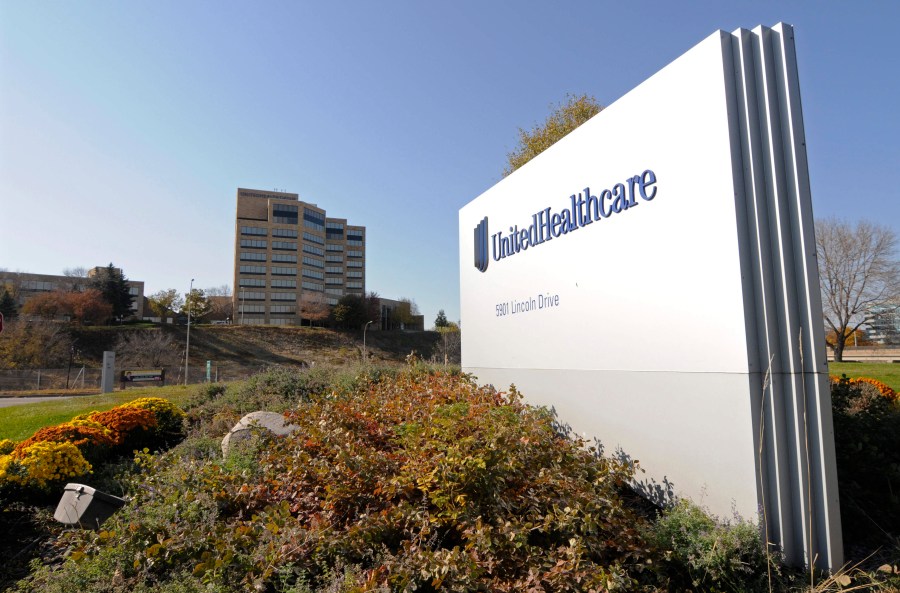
(20, 422)
(887, 372)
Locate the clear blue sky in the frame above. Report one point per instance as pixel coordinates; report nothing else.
(126, 127)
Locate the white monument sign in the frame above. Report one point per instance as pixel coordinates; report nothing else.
(652, 277)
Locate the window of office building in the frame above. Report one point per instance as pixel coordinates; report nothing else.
(285, 245)
(252, 269)
(313, 250)
(279, 271)
(277, 283)
(354, 253)
(281, 321)
(334, 231)
(288, 233)
(284, 296)
(251, 282)
(352, 284)
(251, 308)
(316, 263)
(332, 247)
(254, 243)
(338, 259)
(313, 274)
(313, 220)
(334, 270)
(253, 230)
(312, 286)
(313, 238)
(352, 274)
(284, 214)
(252, 256)
(337, 291)
(282, 309)
(354, 238)
(248, 295)
(331, 301)
(284, 257)
(334, 281)
(354, 264)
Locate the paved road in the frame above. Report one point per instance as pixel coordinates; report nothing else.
(6, 402)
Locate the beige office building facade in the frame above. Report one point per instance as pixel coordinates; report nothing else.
(291, 261)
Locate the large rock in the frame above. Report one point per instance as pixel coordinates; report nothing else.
(253, 423)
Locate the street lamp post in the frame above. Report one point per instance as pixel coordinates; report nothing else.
(187, 348)
(365, 357)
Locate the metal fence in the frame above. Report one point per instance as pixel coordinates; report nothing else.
(12, 380)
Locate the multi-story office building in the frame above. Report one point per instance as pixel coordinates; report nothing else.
(291, 261)
(23, 286)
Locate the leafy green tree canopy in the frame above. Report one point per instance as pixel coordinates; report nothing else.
(197, 304)
(565, 117)
(441, 319)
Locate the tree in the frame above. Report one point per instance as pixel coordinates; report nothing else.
(406, 313)
(350, 312)
(111, 282)
(223, 290)
(47, 305)
(441, 320)
(88, 307)
(8, 305)
(313, 307)
(34, 344)
(165, 302)
(564, 118)
(858, 273)
(196, 304)
(448, 350)
(150, 348)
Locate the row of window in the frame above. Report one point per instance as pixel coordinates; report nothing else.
(316, 263)
(334, 280)
(354, 264)
(261, 283)
(313, 274)
(333, 247)
(353, 237)
(334, 270)
(354, 253)
(254, 243)
(288, 245)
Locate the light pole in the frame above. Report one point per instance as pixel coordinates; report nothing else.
(187, 348)
(364, 341)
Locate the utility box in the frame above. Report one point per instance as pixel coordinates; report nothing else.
(85, 506)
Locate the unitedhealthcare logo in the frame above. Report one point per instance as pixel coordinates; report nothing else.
(584, 208)
(481, 245)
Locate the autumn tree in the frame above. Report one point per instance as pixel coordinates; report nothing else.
(165, 302)
(112, 283)
(88, 307)
(564, 118)
(34, 344)
(448, 349)
(196, 304)
(47, 305)
(859, 274)
(313, 307)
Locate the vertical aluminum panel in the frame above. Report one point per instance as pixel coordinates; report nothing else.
(797, 471)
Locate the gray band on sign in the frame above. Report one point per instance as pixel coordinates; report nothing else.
(794, 426)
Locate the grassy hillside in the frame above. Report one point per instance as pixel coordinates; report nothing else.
(252, 347)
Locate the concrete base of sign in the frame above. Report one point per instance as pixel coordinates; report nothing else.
(85, 506)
